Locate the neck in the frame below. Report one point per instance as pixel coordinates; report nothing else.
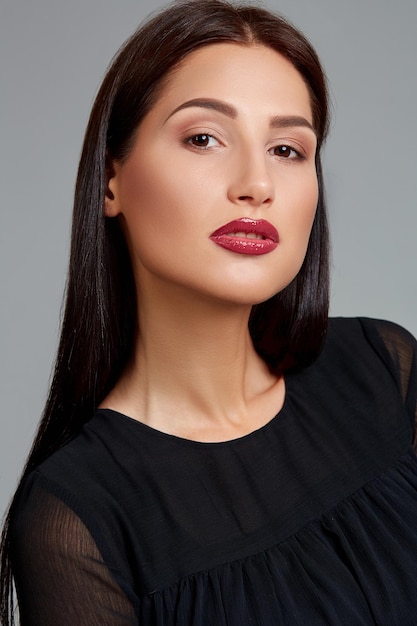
(195, 372)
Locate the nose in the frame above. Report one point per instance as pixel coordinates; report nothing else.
(251, 182)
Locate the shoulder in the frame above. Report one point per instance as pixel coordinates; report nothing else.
(90, 475)
(101, 472)
(395, 340)
(366, 377)
(363, 337)
(367, 326)
(84, 485)
(92, 464)
(373, 331)
(375, 354)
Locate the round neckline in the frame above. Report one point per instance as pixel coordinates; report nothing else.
(193, 442)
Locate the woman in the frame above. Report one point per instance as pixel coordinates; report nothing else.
(209, 454)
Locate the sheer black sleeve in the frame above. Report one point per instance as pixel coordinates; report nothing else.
(400, 354)
(60, 575)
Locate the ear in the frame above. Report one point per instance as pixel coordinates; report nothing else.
(111, 205)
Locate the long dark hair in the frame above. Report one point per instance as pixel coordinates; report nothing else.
(99, 322)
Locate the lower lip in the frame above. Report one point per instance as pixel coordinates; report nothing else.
(243, 245)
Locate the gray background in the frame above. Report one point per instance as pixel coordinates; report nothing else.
(53, 55)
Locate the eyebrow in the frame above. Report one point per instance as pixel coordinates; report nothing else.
(277, 121)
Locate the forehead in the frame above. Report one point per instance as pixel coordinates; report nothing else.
(243, 75)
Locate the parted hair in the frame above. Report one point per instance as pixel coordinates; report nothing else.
(99, 320)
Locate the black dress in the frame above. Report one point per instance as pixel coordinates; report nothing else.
(312, 519)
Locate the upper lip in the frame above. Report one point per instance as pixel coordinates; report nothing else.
(247, 225)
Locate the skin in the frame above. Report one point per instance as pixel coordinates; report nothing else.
(194, 167)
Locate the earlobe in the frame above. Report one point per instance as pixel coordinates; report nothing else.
(111, 208)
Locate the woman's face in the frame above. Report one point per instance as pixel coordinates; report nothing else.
(218, 194)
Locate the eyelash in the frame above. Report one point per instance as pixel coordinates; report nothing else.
(189, 140)
(297, 155)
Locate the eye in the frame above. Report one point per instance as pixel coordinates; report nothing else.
(286, 152)
(202, 141)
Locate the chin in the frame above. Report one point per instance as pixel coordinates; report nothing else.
(258, 293)
(249, 297)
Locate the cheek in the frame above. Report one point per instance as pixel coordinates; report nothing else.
(159, 216)
(147, 199)
(297, 224)
(301, 218)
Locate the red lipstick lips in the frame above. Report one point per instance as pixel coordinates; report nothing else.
(247, 236)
